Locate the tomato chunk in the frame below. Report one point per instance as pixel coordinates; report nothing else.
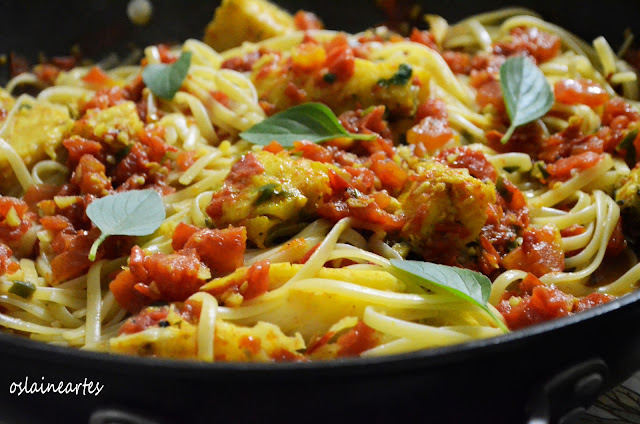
(539, 254)
(580, 91)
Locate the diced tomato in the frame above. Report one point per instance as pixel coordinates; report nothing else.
(580, 91)
(252, 283)
(294, 93)
(544, 303)
(150, 317)
(185, 159)
(221, 98)
(357, 340)
(561, 169)
(14, 219)
(425, 38)
(181, 235)
(617, 243)
(619, 107)
(490, 93)
(459, 63)
(243, 63)
(7, 265)
(318, 342)
(273, 147)
(97, 78)
(473, 160)
(221, 250)
(39, 192)
(538, 44)
(74, 260)
(594, 299)
(165, 54)
(257, 280)
(313, 151)
(431, 133)
(46, 73)
(340, 59)
(434, 108)
(539, 254)
(78, 146)
(127, 297)
(305, 21)
(391, 175)
(90, 177)
(174, 276)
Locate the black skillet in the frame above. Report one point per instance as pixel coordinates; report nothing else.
(546, 373)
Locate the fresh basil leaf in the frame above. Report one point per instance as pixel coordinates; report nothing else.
(165, 80)
(401, 77)
(130, 213)
(526, 92)
(463, 283)
(313, 122)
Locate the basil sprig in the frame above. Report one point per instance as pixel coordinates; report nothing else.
(165, 80)
(463, 283)
(130, 213)
(526, 92)
(313, 122)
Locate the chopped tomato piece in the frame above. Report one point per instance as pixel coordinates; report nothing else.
(617, 243)
(473, 160)
(539, 254)
(570, 91)
(7, 265)
(357, 340)
(340, 59)
(221, 250)
(123, 290)
(97, 78)
(594, 299)
(424, 37)
(562, 169)
(543, 304)
(431, 133)
(305, 21)
(540, 45)
(78, 146)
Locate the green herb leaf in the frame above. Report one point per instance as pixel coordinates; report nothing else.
(401, 77)
(130, 213)
(463, 283)
(526, 92)
(313, 122)
(165, 80)
(627, 144)
(22, 289)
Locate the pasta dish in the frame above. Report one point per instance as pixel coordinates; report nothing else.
(284, 192)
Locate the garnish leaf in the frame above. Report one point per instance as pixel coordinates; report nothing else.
(526, 92)
(313, 122)
(401, 77)
(165, 80)
(130, 213)
(463, 283)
